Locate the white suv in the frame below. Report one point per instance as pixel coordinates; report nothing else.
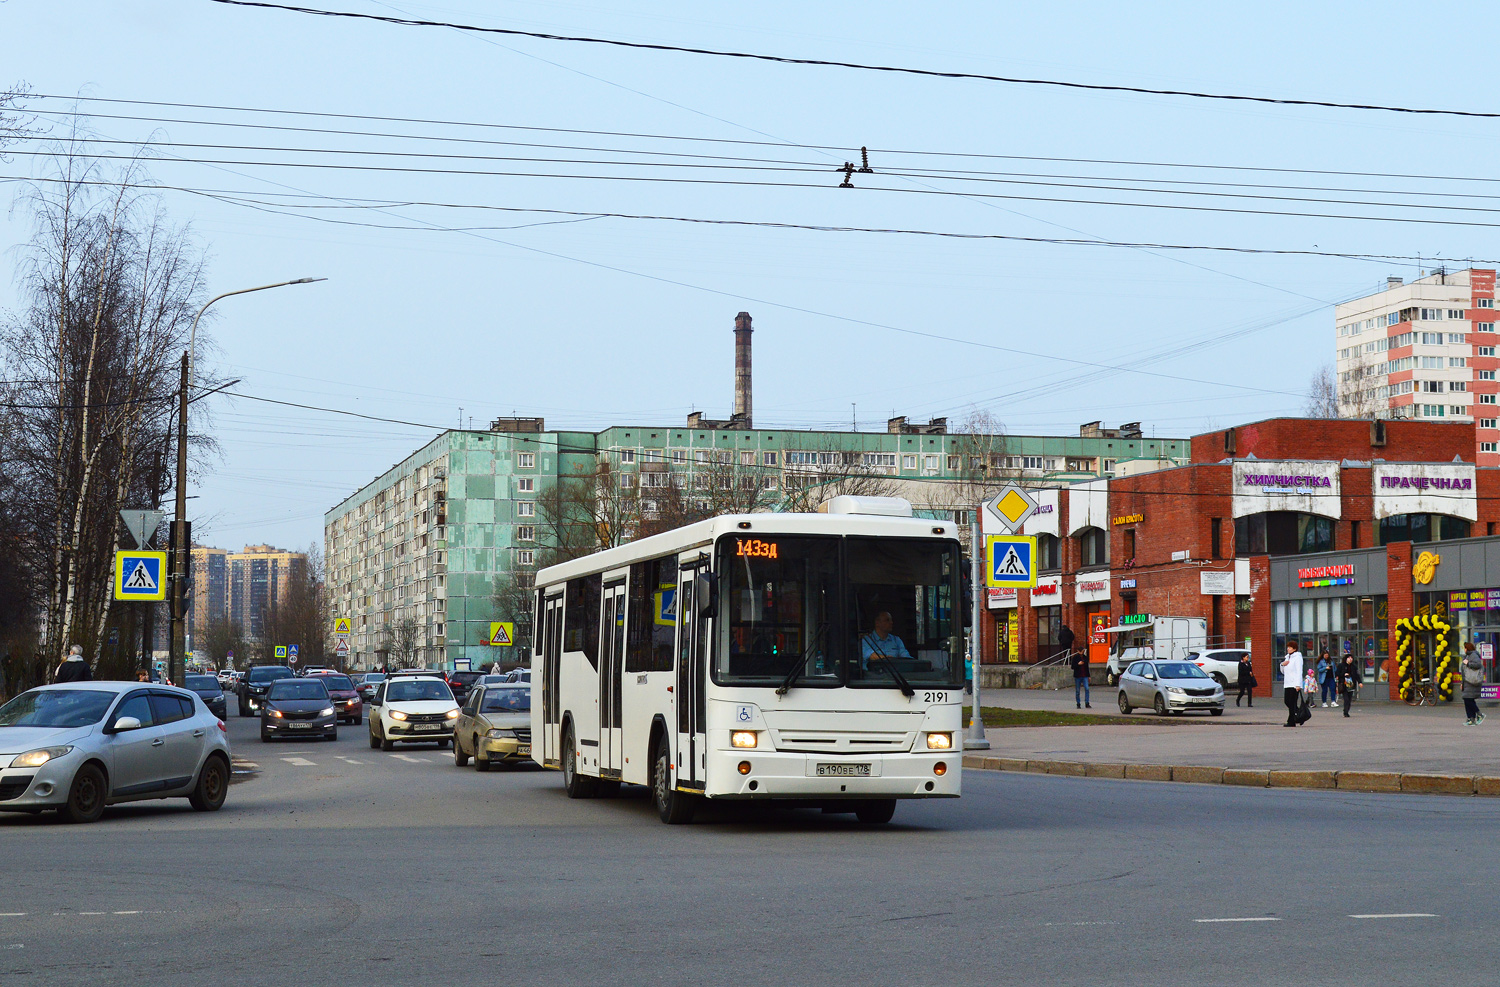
(1221, 664)
(412, 709)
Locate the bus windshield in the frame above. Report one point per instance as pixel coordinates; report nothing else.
(828, 611)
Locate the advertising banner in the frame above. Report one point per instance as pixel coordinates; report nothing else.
(1424, 488)
(1262, 485)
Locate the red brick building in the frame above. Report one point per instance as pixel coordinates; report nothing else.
(1201, 541)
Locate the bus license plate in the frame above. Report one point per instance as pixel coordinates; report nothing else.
(843, 771)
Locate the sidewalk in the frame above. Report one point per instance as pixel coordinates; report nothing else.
(1379, 736)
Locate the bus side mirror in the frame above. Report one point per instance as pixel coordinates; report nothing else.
(706, 596)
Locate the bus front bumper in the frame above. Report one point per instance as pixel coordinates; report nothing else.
(778, 774)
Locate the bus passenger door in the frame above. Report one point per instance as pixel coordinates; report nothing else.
(551, 651)
(692, 634)
(611, 662)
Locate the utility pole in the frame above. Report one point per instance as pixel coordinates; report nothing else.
(975, 739)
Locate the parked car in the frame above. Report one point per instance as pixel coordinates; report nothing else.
(298, 707)
(368, 683)
(79, 746)
(1222, 664)
(462, 682)
(494, 726)
(1169, 686)
(346, 701)
(226, 678)
(518, 675)
(317, 670)
(252, 689)
(207, 688)
(412, 709)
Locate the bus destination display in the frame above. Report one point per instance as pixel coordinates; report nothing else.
(755, 548)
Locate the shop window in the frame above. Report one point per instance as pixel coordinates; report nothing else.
(1130, 543)
(1048, 552)
(1421, 528)
(1093, 548)
(1282, 533)
(1215, 539)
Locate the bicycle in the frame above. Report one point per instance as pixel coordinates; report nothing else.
(1421, 693)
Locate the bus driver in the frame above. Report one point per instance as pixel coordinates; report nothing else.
(881, 643)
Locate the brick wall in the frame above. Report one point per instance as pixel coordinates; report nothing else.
(1263, 656)
(1398, 603)
(1321, 438)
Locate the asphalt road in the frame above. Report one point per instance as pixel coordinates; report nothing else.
(339, 864)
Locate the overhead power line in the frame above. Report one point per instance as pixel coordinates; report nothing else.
(861, 66)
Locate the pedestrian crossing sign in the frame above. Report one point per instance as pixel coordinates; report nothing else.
(280, 651)
(502, 633)
(140, 575)
(1011, 562)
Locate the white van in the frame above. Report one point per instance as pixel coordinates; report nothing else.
(1155, 637)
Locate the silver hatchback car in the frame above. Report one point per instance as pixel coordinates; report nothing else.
(79, 746)
(1169, 687)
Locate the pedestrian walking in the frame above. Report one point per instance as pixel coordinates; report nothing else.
(1065, 638)
(1079, 662)
(1247, 681)
(1291, 680)
(1473, 680)
(1348, 680)
(1328, 681)
(74, 668)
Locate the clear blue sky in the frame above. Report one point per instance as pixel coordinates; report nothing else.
(414, 324)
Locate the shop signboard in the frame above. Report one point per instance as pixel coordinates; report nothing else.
(1262, 485)
(1490, 690)
(1129, 619)
(1047, 592)
(1425, 488)
(1043, 520)
(1001, 599)
(1013, 636)
(1127, 584)
(1091, 587)
(1314, 577)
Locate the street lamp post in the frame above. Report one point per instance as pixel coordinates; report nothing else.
(181, 531)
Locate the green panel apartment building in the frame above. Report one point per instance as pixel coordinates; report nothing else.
(422, 545)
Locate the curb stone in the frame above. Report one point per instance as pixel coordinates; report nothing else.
(1349, 781)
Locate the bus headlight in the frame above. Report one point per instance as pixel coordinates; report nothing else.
(744, 738)
(940, 741)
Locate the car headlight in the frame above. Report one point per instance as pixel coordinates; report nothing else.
(38, 757)
(396, 714)
(498, 734)
(327, 711)
(452, 714)
(1173, 688)
(744, 738)
(275, 712)
(939, 741)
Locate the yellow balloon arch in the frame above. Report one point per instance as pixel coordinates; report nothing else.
(1405, 631)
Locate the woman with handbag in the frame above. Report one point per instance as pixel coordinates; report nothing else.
(1348, 680)
(1247, 680)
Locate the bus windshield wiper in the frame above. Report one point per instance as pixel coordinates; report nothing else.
(801, 665)
(906, 689)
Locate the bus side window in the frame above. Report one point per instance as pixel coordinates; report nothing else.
(581, 617)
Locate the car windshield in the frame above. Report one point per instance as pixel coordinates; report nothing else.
(270, 673)
(202, 683)
(870, 612)
(338, 683)
(56, 708)
(417, 690)
(1180, 670)
(297, 690)
(506, 700)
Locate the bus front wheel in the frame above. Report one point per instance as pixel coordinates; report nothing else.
(675, 808)
(578, 786)
(875, 811)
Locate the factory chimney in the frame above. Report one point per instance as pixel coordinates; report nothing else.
(742, 332)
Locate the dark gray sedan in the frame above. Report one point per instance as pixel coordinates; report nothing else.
(298, 707)
(208, 689)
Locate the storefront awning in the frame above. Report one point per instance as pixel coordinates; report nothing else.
(1121, 627)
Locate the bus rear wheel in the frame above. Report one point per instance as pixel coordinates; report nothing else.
(578, 786)
(675, 808)
(875, 811)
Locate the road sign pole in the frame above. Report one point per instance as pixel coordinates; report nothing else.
(975, 739)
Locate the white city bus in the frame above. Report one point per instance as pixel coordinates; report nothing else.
(816, 658)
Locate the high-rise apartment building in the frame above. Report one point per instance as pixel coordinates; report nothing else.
(1423, 349)
(257, 580)
(210, 602)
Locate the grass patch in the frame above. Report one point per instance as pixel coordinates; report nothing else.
(1000, 716)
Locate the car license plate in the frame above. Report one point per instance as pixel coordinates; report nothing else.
(428, 726)
(524, 749)
(843, 771)
(299, 726)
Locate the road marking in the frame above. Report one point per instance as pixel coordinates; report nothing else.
(93, 913)
(1398, 915)
(348, 760)
(300, 762)
(413, 760)
(125, 913)
(12, 914)
(1253, 918)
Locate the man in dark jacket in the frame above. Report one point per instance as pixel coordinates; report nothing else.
(1079, 662)
(1246, 681)
(73, 668)
(1065, 638)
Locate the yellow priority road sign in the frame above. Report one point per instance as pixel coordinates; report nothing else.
(140, 575)
(502, 633)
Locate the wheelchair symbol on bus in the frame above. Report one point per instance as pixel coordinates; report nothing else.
(744, 713)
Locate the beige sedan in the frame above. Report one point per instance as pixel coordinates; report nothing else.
(494, 726)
